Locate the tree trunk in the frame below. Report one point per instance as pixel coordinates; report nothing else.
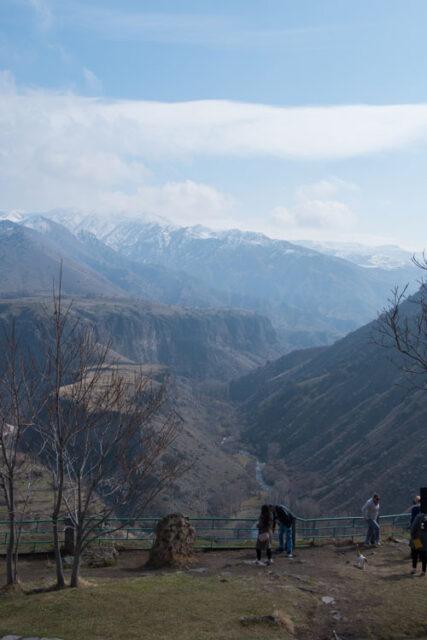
(60, 580)
(11, 574)
(75, 571)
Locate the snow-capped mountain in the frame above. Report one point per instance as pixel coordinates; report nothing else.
(382, 256)
(311, 298)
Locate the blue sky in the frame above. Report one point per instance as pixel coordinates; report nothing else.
(302, 119)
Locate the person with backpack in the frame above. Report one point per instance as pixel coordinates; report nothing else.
(370, 511)
(265, 534)
(286, 520)
(416, 508)
(419, 543)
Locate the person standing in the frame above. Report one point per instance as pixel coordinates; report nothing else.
(370, 511)
(265, 534)
(419, 543)
(416, 508)
(286, 521)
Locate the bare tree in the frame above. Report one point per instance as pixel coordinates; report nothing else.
(403, 327)
(57, 368)
(101, 442)
(115, 459)
(17, 390)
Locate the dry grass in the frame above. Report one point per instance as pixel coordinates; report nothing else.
(167, 607)
(382, 603)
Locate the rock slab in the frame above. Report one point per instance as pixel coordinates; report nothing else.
(174, 543)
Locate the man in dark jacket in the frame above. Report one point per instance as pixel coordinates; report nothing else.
(286, 520)
(416, 508)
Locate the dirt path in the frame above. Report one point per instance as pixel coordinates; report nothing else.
(322, 584)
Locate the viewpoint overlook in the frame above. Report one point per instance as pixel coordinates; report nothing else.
(213, 320)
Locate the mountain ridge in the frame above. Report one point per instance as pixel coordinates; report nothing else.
(311, 298)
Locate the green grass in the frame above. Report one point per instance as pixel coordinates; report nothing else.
(167, 607)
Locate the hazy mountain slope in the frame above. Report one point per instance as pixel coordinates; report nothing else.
(311, 298)
(151, 282)
(344, 420)
(29, 262)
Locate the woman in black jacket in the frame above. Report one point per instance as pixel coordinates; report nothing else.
(419, 543)
(265, 533)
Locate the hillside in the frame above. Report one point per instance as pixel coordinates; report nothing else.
(29, 262)
(198, 352)
(343, 420)
(311, 298)
(31, 249)
(314, 415)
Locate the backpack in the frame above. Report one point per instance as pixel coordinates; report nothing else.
(419, 537)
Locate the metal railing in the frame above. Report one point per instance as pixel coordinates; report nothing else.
(212, 532)
(349, 527)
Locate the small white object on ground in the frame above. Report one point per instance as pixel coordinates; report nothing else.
(328, 600)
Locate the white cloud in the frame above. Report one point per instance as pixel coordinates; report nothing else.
(324, 189)
(220, 127)
(92, 82)
(316, 214)
(92, 153)
(7, 83)
(77, 157)
(186, 203)
(318, 209)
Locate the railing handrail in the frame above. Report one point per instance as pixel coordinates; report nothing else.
(212, 532)
(215, 519)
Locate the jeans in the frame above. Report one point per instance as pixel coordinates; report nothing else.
(373, 532)
(285, 531)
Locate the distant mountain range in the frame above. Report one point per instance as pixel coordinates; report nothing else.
(381, 256)
(311, 298)
(32, 249)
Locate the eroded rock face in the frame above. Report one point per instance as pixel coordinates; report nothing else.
(173, 546)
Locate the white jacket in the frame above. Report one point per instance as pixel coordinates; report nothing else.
(370, 510)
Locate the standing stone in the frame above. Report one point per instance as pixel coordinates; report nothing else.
(174, 543)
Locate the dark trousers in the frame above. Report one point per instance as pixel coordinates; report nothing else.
(419, 554)
(258, 554)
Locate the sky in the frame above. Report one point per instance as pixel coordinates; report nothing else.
(301, 119)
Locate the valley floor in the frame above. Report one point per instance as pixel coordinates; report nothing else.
(208, 599)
